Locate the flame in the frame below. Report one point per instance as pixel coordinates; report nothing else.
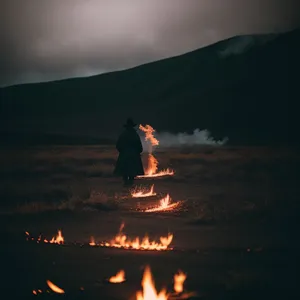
(59, 239)
(164, 205)
(149, 134)
(166, 172)
(92, 242)
(152, 165)
(179, 279)
(118, 278)
(141, 193)
(151, 170)
(55, 288)
(149, 292)
(121, 241)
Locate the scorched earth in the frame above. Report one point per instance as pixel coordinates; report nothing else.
(222, 226)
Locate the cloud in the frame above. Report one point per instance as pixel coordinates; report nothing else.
(45, 40)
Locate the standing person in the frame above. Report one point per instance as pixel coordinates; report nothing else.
(129, 145)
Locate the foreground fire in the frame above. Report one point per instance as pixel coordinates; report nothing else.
(164, 205)
(121, 241)
(179, 279)
(59, 239)
(142, 193)
(118, 278)
(55, 288)
(149, 292)
(151, 170)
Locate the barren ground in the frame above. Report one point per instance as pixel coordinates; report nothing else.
(235, 234)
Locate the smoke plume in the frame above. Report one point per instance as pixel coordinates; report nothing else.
(182, 139)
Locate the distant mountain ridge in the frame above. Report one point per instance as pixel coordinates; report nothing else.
(249, 94)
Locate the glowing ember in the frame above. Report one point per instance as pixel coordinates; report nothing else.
(149, 134)
(141, 193)
(121, 241)
(59, 239)
(118, 278)
(92, 242)
(164, 205)
(55, 288)
(149, 292)
(179, 279)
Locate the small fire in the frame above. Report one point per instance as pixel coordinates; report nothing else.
(118, 278)
(142, 193)
(149, 292)
(149, 134)
(59, 239)
(179, 279)
(55, 288)
(121, 241)
(151, 170)
(164, 205)
(92, 241)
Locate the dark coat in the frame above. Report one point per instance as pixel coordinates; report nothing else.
(129, 162)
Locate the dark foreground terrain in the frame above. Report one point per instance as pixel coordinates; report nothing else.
(235, 233)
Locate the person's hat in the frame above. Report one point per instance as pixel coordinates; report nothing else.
(129, 123)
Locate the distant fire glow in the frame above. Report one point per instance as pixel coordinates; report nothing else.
(59, 239)
(151, 170)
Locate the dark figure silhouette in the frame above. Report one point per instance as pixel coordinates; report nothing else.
(129, 163)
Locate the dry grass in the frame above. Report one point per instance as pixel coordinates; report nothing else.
(219, 183)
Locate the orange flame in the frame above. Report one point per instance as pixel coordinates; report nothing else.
(92, 242)
(151, 170)
(179, 279)
(55, 288)
(164, 205)
(152, 165)
(149, 134)
(121, 241)
(59, 239)
(141, 193)
(118, 278)
(149, 292)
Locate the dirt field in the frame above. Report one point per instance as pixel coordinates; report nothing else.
(235, 230)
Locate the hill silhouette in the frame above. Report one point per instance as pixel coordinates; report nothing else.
(244, 87)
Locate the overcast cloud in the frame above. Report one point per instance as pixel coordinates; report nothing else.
(53, 39)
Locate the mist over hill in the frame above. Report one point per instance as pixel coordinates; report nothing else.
(244, 88)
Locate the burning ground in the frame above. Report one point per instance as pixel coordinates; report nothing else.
(233, 233)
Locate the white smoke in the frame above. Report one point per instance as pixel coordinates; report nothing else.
(182, 139)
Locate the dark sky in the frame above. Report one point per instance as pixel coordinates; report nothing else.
(53, 39)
